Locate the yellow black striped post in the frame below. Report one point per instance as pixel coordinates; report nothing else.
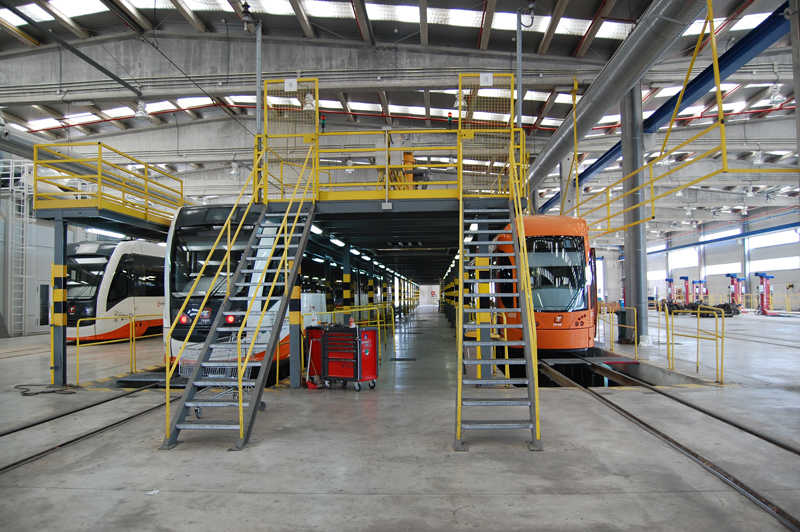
(295, 326)
(58, 348)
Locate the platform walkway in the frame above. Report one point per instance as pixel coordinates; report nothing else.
(382, 460)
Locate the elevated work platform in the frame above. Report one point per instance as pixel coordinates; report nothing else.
(93, 184)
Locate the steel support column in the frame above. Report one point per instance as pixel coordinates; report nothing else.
(59, 274)
(635, 265)
(295, 326)
(794, 21)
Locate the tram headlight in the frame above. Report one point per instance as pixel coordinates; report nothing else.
(88, 311)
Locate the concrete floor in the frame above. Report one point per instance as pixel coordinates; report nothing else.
(382, 459)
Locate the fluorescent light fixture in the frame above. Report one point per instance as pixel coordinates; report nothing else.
(194, 101)
(366, 258)
(43, 123)
(103, 232)
(316, 230)
(334, 264)
(354, 251)
(335, 241)
(317, 259)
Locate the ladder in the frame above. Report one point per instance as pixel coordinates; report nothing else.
(228, 379)
(486, 273)
(19, 216)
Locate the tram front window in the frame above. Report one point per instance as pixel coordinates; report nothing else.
(558, 273)
(84, 274)
(189, 252)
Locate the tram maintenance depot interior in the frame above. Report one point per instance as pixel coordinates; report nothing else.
(399, 265)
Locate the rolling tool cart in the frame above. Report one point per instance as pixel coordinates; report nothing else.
(350, 354)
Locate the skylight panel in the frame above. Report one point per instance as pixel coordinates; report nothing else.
(330, 104)
(118, 112)
(614, 30)
(364, 106)
(551, 121)
(508, 21)
(566, 98)
(327, 9)
(572, 26)
(155, 107)
(17, 126)
(194, 101)
(494, 93)
(762, 103)
(272, 7)
(724, 87)
(537, 96)
(458, 17)
(748, 22)
(243, 98)
(211, 5)
(71, 8)
(80, 118)
(668, 92)
(43, 123)
(436, 111)
(609, 119)
(393, 13)
(697, 26)
(407, 110)
(35, 12)
(692, 110)
(492, 117)
(11, 18)
(275, 100)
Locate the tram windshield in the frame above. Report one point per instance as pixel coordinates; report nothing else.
(190, 247)
(559, 273)
(84, 273)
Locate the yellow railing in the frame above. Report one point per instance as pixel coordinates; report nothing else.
(380, 321)
(717, 336)
(606, 316)
(604, 211)
(93, 174)
(523, 269)
(224, 265)
(131, 338)
(284, 233)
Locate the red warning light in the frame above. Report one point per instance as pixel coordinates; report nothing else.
(184, 319)
(230, 319)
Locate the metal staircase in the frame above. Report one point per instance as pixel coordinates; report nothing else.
(482, 328)
(241, 347)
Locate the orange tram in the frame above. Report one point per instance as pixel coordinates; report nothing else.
(563, 274)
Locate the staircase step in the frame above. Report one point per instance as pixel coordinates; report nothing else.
(223, 383)
(494, 343)
(257, 298)
(495, 402)
(214, 403)
(212, 364)
(232, 345)
(491, 326)
(492, 310)
(488, 231)
(274, 258)
(494, 381)
(208, 425)
(492, 294)
(472, 211)
(490, 424)
(256, 283)
(246, 329)
(482, 281)
(494, 362)
(495, 254)
(486, 220)
(270, 246)
(492, 267)
(270, 270)
(484, 243)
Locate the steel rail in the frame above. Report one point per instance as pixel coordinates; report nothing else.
(782, 516)
(47, 419)
(80, 438)
(719, 417)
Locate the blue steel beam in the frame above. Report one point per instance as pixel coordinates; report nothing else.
(751, 45)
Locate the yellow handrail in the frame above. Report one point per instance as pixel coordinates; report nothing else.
(524, 272)
(287, 236)
(717, 336)
(170, 367)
